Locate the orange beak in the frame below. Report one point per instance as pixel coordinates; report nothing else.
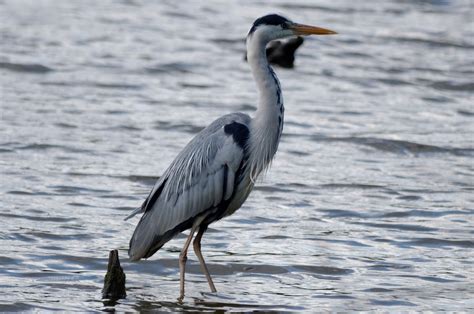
(301, 29)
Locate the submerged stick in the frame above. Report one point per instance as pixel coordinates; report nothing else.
(114, 280)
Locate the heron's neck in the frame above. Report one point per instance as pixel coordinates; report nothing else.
(267, 124)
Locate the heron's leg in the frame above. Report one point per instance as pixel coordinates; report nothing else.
(197, 250)
(182, 262)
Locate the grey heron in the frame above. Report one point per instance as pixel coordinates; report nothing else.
(216, 171)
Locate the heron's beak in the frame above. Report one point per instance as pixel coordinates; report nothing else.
(301, 29)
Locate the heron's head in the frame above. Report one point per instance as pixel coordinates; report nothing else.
(274, 26)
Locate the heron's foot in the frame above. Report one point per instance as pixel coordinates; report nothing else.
(180, 299)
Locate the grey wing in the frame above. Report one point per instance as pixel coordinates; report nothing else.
(201, 177)
(155, 192)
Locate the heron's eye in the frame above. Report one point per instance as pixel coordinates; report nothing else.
(285, 25)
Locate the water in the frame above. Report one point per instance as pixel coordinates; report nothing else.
(368, 204)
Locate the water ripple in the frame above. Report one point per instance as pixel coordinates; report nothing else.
(399, 146)
(367, 206)
(25, 67)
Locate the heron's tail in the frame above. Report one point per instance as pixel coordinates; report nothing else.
(147, 238)
(142, 239)
(137, 210)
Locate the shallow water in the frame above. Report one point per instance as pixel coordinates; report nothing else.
(368, 204)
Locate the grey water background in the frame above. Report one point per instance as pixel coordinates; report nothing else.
(368, 205)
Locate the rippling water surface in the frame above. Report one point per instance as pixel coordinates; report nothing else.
(368, 205)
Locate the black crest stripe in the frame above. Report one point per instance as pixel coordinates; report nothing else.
(271, 19)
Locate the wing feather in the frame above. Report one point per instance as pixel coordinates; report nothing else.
(199, 179)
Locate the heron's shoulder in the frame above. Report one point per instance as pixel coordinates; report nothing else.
(237, 117)
(236, 125)
(202, 150)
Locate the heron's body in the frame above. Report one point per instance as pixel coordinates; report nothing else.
(214, 174)
(212, 184)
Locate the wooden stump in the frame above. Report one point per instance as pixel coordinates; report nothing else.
(114, 280)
